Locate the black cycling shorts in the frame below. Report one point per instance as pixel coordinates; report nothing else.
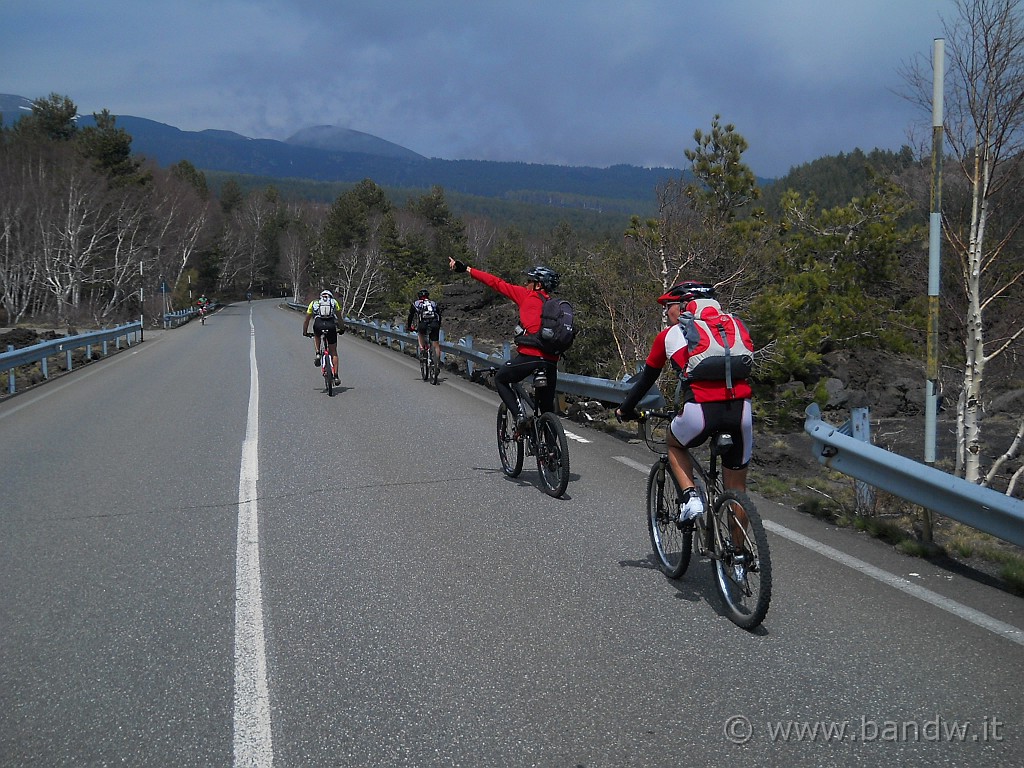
(326, 324)
(698, 421)
(430, 328)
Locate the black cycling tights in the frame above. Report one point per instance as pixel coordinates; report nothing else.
(517, 369)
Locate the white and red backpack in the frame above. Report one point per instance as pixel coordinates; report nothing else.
(715, 345)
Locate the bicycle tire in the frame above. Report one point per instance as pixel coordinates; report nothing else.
(742, 571)
(329, 380)
(552, 455)
(509, 449)
(672, 543)
(435, 365)
(424, 366)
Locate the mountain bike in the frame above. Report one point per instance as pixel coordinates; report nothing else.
(729, 532)
(430, 365)
(543, 437)
(326, 364)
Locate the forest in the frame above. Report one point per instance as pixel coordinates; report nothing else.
(832, 256)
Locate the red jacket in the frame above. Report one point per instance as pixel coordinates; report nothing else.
(529, 301)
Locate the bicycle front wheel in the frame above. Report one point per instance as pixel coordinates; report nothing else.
(510, 450)
(552, 455)
(672, 543)
(741, 563)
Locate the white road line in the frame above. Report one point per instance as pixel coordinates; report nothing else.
(898, 582)
(252, 739)
(960, 610)
(574, 436)
(645, 468)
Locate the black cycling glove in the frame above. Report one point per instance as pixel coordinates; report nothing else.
(460, 266)
(648, 376)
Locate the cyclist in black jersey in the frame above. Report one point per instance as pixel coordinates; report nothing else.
(425, 321)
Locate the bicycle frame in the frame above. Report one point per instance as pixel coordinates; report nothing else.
(327, 364)
(430, 362)
(544, 439)
(729, 532)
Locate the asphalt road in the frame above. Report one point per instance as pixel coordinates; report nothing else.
(202, 568)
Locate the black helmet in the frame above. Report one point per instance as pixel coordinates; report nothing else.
(547, 277)
(423, 294)
(687, 291)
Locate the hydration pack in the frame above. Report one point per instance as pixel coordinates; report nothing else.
(427, 310)
(718, 344)
(325, 308)
(557, 327)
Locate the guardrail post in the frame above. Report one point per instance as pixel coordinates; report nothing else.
(67, 359)
(860, 421)
(467, 342)
(10, 374)
(440, 340)
(46, 370)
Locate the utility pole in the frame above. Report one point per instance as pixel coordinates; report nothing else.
(934, 253)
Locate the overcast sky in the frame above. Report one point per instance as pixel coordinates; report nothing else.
(571, 82)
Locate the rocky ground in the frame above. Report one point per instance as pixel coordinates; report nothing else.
(784, 467)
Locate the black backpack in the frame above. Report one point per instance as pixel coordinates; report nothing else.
(557, 326)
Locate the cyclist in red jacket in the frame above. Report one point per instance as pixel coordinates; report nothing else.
(708, 405)
(530, 298)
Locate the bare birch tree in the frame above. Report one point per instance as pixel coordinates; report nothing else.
(984, 126)
(75, 230)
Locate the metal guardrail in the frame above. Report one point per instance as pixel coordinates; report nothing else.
(40, 353)
(974, 505)
(182, 316)
(605, 390)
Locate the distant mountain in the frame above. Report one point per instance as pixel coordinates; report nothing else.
(13, 107)
(330, 153)
(331, 138)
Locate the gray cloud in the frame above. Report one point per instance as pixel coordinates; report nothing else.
(583, 82)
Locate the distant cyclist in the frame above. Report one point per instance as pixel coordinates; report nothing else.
(540, 282)
(425, 320)
(324, 313)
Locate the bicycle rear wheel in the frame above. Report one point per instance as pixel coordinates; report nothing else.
(552, 455)
(329, 380)
(741, 564)
(510, 450)
(672, 543)
(435, 364)
(424, 366)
